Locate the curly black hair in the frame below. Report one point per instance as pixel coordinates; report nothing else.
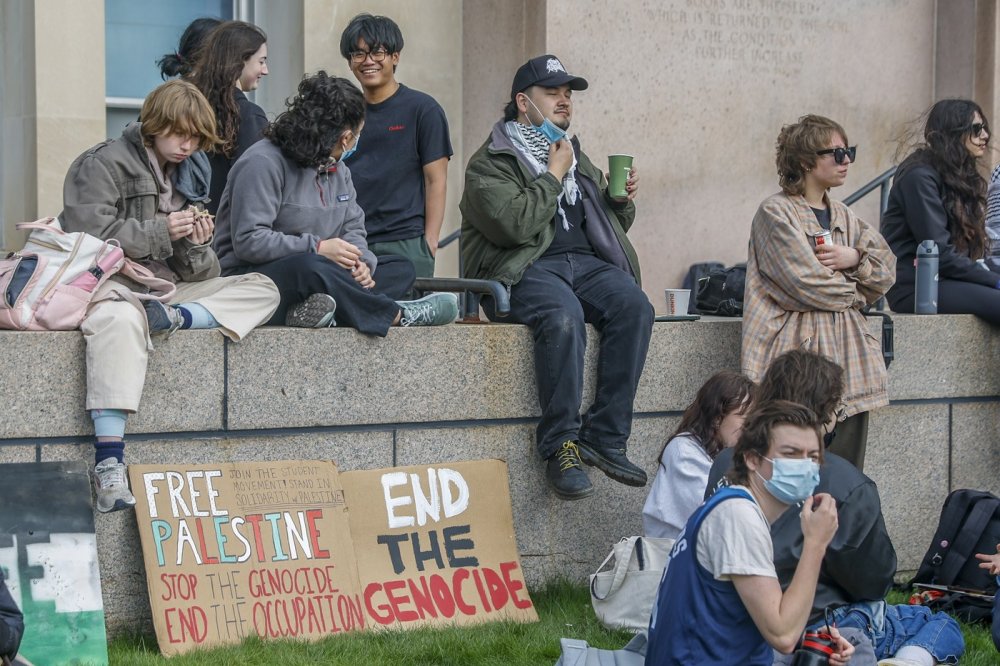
(314, 120)
(949, 123)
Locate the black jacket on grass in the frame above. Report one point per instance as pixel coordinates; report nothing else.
(11, 622)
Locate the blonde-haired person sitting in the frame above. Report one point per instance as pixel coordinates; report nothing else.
(143, 189)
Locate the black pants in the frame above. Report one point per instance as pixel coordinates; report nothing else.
(850, 439)
(556, 297)
(954, 297)
(370, 311)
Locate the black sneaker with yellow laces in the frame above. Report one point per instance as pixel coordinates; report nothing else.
(565, 474)
(614, 463)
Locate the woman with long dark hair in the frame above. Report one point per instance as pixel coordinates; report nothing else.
(938, 194)
(181, 61)
(290, 212)
(230, 64)
(711, 423)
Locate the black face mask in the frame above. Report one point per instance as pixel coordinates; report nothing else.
(828, 439)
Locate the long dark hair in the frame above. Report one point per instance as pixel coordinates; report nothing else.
(949, 123)
(181, 61)
(220, 63)
(314, 120)
(724, 392)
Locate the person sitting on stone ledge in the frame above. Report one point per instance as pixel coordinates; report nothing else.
(859, 563)
(812, 266)
(139, 190)
(710, 424)
(537, 217)
(290, 212)
(939, 194)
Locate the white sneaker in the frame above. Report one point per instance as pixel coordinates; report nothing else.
(112, 486)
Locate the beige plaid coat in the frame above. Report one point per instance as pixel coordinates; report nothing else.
(792, 301)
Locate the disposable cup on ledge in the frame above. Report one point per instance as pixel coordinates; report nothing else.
(619, 168)
(677, 301)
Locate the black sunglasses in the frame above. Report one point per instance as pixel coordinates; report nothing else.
(977, 128)
(840, 153)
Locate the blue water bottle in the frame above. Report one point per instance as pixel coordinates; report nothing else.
(927, 278)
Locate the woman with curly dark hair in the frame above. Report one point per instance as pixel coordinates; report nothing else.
(938, 194)
(290, 212)
(231, 63)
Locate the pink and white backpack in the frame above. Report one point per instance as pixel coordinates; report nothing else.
(49, 285)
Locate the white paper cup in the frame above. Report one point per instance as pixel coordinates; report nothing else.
(677, 301)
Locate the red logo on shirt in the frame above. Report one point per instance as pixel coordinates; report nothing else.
(396, 128)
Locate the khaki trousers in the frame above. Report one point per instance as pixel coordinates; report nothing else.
(117, 336)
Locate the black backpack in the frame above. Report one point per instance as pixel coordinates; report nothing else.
(969, 524)
(694, 275)
(721, 292)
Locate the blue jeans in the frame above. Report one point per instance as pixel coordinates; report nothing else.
(890, 627)
(557, 296)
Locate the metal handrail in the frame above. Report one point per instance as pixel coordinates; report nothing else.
(881, 182)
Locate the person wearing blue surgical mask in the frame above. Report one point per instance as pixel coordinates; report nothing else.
(720, 601)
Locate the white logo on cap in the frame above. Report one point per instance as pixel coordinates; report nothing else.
(554, 65)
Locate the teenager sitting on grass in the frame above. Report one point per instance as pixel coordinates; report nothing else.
(710, 424)
(720, 601)
(139, 190)
(290, 211)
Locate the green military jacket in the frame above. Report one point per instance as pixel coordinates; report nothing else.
(508, 213)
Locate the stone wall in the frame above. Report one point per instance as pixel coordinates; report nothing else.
(466, 392)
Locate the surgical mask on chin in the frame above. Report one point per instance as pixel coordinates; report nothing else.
(792, 479)
(552, 132)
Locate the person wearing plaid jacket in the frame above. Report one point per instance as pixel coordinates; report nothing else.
(799, 295)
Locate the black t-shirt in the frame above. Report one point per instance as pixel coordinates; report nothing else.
(575, 238)
(401, 135)
(822, 216)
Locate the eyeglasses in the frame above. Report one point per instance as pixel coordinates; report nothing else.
(378, 55)
(840, 153)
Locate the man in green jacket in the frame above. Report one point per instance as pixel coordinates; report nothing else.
(536, 215)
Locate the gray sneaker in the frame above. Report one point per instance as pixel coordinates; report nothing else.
(162, 318)
(112, 486)
(435, 309)
(315, 312)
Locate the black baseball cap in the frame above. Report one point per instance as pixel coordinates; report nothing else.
(545, 71)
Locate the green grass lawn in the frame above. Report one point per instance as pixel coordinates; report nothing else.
(563, 610)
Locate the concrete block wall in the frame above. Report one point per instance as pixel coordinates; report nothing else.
(468, 392)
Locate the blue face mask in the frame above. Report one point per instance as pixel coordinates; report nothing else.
(350, 151)
(552, 132)
(792, 480)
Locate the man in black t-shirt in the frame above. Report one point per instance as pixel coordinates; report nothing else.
(401, 175)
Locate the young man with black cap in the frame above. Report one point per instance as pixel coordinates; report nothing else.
(536, 216)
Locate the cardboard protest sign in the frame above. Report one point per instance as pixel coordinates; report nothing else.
(238, 549)
(435, 545)
(48, 554)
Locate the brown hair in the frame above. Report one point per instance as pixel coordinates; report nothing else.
(177, 107)
(755, 440)
(796, 149)
(807, 378)
(724, 392)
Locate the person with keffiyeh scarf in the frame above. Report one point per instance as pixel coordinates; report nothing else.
(537, 216)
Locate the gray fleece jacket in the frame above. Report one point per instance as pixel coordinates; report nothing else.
(272, 208)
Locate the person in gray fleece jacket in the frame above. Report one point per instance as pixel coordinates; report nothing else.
(289, 211)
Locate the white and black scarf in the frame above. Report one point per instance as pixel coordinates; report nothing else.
(534, 147)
